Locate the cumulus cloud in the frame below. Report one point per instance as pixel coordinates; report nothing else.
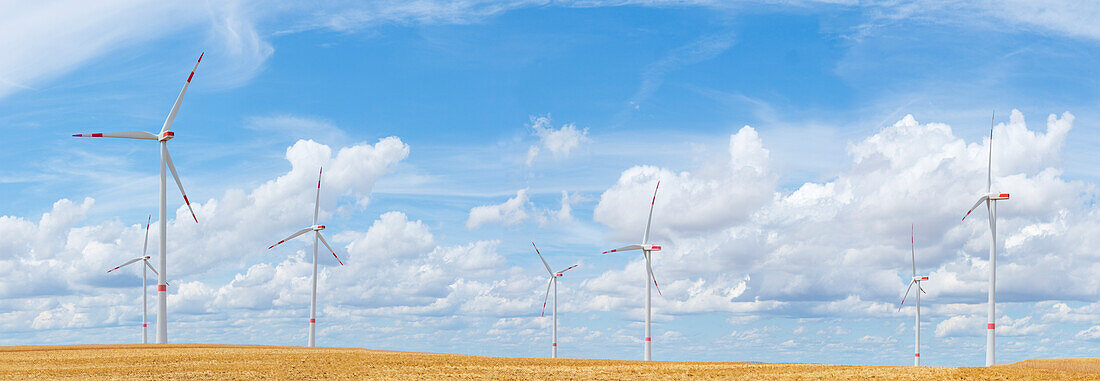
(50, 259)
(560, 142)
(510, 213)
(726, 219)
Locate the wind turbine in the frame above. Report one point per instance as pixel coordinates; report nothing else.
(316, 229)
(553, 282)
(165, 135)
(915, 280)
(144, 303)
(646, 249)
(990, 199)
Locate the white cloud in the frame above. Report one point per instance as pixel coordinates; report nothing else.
(723, 192)
(726, 219)
(392, 236)
(1093, 333)
(510, 213)
(560, 142)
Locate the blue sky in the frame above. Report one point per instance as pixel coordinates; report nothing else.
(450, 131)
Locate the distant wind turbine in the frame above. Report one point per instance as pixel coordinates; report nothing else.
(646, 249)
(144, 302)
(165, 135)
(915, 280)
(553, 282)
(990, 199)
(316, 229)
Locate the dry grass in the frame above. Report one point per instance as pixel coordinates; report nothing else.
(1070, 365)
(188, 362)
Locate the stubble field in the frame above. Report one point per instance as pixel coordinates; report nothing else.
(192, 361)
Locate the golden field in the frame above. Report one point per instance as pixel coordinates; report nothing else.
(221, 362)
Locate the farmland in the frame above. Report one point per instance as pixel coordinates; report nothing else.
(191, 361)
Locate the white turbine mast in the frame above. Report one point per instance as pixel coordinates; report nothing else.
(144, 271)
(316, 229)
(553, 282)
(647, 250)
(914, 280)
(163, 137)
(990, 199)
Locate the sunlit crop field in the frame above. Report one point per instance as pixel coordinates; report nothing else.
(187, 362)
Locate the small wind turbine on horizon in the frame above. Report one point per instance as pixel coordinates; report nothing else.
(316, 229)
(990, 199)
(163, 137)
(646, 249)
(553, 282)
(144, 271)
(915, 280)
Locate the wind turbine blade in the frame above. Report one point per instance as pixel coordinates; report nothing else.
(913, 250)
(547, 296)
(980, 201)
(624, 248)
(567, 269)
(329, 248)
(176, 176)
(127, 263)
(649, 268)
(151, 268)
(124, 135)
(906, 294)
(543, 259)
(300, 232)
(179, 99)
(317, 202)
(989, 169)
(645, 239)
(145, 247)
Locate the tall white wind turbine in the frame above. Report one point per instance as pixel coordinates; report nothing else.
(316, 229)
(647, 250)
(165, 135)
(553, 282)
(915, 280)
(144, 271)
(990, 199)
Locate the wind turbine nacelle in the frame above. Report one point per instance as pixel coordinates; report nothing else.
(998, 196)
(146, 257)
(318, 227)
(919, 278)
(651, 248)
(166, 135)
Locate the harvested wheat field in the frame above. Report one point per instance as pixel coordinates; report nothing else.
(192, 361)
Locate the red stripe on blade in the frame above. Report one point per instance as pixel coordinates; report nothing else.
(97, 135)
(189, 77)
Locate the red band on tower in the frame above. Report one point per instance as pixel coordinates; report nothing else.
(647, 339)
(991, 326)
(312, 320)
(162, 288)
